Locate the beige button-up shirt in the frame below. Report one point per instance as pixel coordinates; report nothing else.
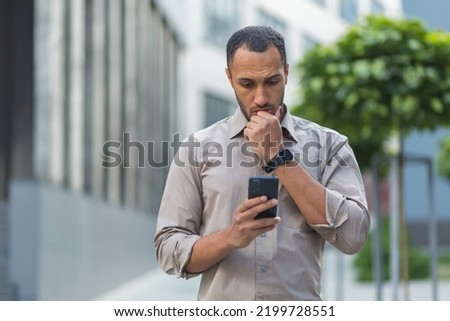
(208, 179)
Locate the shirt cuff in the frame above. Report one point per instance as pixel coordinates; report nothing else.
(336, 215)
(183, 254)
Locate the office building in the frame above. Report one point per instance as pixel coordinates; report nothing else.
(84, 85)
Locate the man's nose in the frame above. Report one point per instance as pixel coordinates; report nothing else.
(261, 98)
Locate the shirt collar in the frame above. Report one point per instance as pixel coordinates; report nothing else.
(238, 122)
(287, 124)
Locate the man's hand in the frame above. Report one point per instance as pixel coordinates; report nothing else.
(264, 130)
(244, 229)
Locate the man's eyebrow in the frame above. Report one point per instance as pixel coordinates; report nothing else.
(251, 79)
(245, 79)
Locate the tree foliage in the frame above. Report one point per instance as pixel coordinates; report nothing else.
(383, 76)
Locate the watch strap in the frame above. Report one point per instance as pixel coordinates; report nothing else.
(281, 158)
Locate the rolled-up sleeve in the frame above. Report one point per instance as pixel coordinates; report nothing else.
(179, 217)
(346, 206)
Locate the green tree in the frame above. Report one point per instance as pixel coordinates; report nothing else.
(382, 79)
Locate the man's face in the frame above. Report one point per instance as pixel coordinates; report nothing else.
(258, 80)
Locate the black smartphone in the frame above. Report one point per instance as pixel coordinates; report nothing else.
(264, 185)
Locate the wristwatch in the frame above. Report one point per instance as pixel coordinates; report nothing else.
(283, 156)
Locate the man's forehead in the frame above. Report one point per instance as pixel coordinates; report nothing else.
(245, 56)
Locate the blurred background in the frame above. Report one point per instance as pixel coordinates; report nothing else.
(77, 74)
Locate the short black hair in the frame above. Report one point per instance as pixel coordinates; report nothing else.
(256, 39)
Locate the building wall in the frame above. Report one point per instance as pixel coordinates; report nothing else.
(416, 185)
(73, 247)
(16, 113)
(434, 14)
(92, 101)
(3, 253)
(4, 149)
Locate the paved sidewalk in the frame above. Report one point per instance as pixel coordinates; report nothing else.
(338, 284)
(155, 286)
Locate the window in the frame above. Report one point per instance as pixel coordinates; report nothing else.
(320, 2)
(349, 10)
(307, 43)
(216, 108)
(376, 7)
(221, 20)
(269, 20)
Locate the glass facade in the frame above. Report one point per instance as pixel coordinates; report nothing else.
(221, 19)
(267, 19)
(320, 2)
(106, 71)
(307, 42)
(216, 108)
(376, 7)
(349, 10)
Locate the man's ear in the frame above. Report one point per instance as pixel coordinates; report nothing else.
(227, 71)
(286, 72)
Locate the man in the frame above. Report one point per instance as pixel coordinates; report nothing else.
(205, 224)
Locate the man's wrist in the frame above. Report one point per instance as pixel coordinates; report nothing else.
(281, 158)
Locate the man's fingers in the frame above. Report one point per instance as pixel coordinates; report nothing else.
(248, 204)
(256, 205)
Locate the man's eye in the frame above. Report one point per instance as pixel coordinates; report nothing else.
(273, 82)
(246, 84)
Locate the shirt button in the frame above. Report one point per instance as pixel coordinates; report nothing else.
(264, 234)
(263, 269)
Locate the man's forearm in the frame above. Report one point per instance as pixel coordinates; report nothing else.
(208, 251)
(310, 197)
(307, 193)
